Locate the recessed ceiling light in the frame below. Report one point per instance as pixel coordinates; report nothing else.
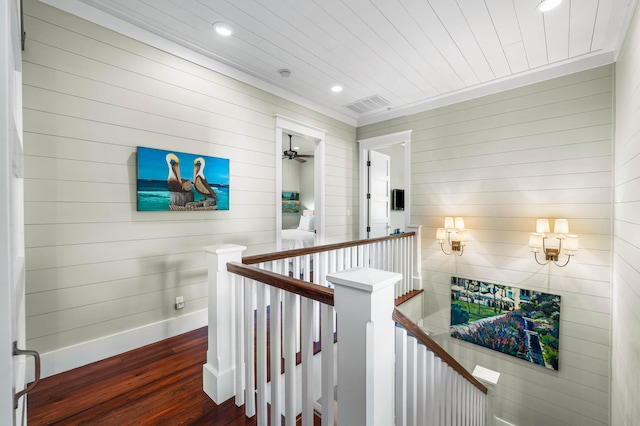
(336, 89)
(222, 28)
(546, 5)
(284, 72)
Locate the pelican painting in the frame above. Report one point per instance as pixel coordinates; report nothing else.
(200, 182)
(162, 185)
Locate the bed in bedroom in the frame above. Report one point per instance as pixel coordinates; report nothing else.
(303, 235)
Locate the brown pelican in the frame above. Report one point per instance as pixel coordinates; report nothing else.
(200, 182)
(174, 183)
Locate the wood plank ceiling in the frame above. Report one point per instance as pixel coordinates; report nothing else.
(404, 54)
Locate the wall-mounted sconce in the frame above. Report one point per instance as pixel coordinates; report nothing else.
(566, 241)
(454, 234)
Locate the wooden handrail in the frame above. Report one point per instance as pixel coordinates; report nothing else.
(424, 338)
(326, 295)
(292, 285)
(268, 257)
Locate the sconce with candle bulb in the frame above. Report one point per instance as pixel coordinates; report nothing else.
(567, 243)
(454, 233)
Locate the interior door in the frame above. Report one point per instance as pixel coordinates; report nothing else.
(379, 194)
(12, 276)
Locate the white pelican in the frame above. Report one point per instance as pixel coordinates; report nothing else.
(200, 182)
(174, 182)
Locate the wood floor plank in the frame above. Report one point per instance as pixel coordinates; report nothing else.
(159, 384)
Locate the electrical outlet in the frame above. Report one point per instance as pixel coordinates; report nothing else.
(179, 302)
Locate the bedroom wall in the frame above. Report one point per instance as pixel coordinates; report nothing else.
(102, 277)
(307, 181)
(501, 162)
(625, 386)
(291, 183)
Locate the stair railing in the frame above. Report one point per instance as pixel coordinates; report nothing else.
(432, 388)
(266, 327)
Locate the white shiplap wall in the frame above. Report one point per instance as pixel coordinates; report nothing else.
(97, 267)
(502, 161)
(625, 388)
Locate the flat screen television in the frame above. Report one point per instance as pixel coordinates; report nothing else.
(397, 199)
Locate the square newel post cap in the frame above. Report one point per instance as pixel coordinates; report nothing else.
(224, 248)
(365, 279)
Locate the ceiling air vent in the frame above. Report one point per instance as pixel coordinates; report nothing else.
(368, 104)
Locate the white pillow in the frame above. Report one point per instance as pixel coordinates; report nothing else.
(306, 223)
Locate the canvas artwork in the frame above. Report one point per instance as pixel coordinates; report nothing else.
(511, 320)
(178, 181)
(290, 202)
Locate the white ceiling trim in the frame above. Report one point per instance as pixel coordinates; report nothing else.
(529, 77)
(120, 26)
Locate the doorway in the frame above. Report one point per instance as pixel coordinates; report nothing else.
(316, 137)
(398, 146)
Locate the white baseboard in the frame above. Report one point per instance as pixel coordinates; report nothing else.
(84, 353)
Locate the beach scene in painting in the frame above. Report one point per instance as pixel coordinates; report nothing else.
(178, 181)
(518, 322)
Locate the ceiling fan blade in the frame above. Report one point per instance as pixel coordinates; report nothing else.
(299, 160)
(305, 155)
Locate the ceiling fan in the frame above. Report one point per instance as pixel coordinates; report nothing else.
(293, 155)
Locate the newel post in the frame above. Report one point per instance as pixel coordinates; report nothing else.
(364, 302)
(417, 256)
(218, 378)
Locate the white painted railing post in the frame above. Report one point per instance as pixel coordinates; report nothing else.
(218, 378)
(364, 302)
(417, 256)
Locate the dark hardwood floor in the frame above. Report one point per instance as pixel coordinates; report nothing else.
(159, 384)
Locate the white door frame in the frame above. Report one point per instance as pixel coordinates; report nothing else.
(288, 125)
(12, 277)
(377, 142)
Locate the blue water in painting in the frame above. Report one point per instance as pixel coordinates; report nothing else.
(153, 195)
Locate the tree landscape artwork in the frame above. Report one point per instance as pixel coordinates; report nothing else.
(511, 320)
(178, 181)
(290, 202)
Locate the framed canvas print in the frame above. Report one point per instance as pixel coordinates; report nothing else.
(518, 322)
(178, 181)
(290, 202)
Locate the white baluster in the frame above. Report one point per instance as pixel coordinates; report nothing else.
(239, 340)
(328, 366)
(431, 390)
(439, 385)
(289, 341)
(306, 355)
(261, 353)
(412, 383)
(416, 256)
(448, 395)
(406, 266)
(249, 333)
(275, 322)
(401, 377)
(421, 379)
